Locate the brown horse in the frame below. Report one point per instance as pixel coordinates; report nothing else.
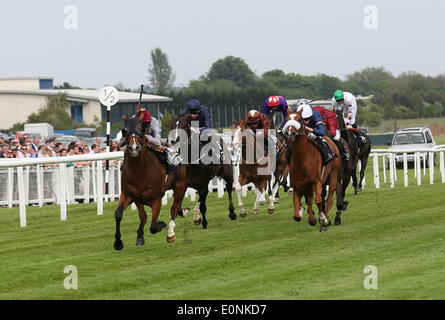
(253, 167)
(144, 183)
(356, 153)
(308, 174)
(200, 174)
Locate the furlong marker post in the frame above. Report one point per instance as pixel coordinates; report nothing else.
(108, 96)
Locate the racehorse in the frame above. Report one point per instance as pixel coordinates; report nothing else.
(199, 174)
(144, 183)
(308, 174)
(357, 153)
(246, 147)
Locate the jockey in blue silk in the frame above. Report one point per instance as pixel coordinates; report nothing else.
(276, 104)
(313, 122)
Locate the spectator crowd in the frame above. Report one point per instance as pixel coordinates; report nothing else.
(22, 146)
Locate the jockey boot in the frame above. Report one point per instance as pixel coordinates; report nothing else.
(327, 156)
(341, 147)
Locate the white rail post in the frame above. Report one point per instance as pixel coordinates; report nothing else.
(86, 179)
(10, 187)
(424, 164)
(419, 172)
(405, 169)
(100, 188)
(63, 190)
(431, 166)
(384, 167)
(391, 169)
(442, 167)
(375, 168)
(39, 174)
(22, 201)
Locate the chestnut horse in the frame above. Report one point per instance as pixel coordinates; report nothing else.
(308, 174)
(199, 174)
(252, 168)
(144, 183)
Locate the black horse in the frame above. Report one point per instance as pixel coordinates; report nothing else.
(199, 174)
(358, 152)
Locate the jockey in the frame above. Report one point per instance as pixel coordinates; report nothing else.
(257, 121)
(274, 104)
(346, 101)
(331, 124)
(314, 124)
(199, 113)
(152, 128)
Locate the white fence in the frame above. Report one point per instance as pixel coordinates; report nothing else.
(57, 180)
(421, 158)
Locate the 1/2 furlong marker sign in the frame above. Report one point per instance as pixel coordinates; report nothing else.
(108, 96)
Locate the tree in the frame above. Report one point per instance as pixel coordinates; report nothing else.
(161, 76)
(66, 85)
(234, 69)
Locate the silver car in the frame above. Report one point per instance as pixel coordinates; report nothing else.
(415, 138)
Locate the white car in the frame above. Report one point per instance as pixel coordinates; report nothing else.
(412, 139)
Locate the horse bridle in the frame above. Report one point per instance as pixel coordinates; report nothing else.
(139, 145)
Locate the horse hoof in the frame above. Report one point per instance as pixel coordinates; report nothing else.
(243, 214)
(140, 242)
(290, 191)
(171, 239)
(277, 200)
(197, 222)
(345, 205)
(329, 223)
(355, 191)
(337, 220)
(297, 218)
(313, 222)
(118, 245)
(185, 212)
(256, 211)
(204, 224)
(271, 210)
(323, 229)
(232, 216)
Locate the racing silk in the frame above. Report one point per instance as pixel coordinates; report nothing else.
(349, 105)
(205, 121)
(329, 119)
(316, 123)
(155, 131)
(282, 107)
(255, 121)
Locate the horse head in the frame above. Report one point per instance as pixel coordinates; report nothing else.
(133, 133)
(294, 124)
(340, 120)
(251, 121)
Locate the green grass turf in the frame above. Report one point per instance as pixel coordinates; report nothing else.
(398, 230)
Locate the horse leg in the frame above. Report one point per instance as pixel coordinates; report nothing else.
(140, 241)
(241, 182)
(354, 177)
(276, 185)
(319, 202)
(228, 178)
(310, 200)
(196, 218)
(298, 208)
(176, 208)
(364, 163)
(156, 226)
(203, 207)
(256, 208)
(124, 202)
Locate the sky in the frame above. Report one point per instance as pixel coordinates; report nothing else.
(94, 43)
